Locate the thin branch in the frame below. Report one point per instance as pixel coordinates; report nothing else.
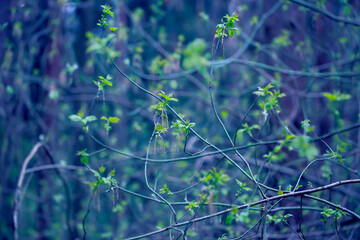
(146, 178)
(225, 130)
(53, 166)
(301, 216)
(71, 230)
(88, 210)
(18, 200)
(326, 13)
(287, 195)
(338, 132)
(282, 70)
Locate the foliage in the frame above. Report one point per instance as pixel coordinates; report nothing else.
(269, 145)
(108, 121)
(79, 117)
(165, 189)
(328, 212)
(278, 218)
(160, 108)
(193, 54)
(271, 101)
(226, 28)
(102, 82)
(106, 11)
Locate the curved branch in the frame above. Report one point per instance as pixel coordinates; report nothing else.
(287, 195)
(284, 71)
(17, 201)
(326, 13)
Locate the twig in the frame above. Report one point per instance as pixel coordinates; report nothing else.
(301, 216)
(18, 200)
(88, 210)
(326, 13)
(287, 195)
(53, 166)
(282, 70)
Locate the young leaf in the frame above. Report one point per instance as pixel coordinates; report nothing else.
(90, 118)
(75, 118)
(101, 169)
(114, 119)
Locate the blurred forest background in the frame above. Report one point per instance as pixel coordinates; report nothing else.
(66, 175)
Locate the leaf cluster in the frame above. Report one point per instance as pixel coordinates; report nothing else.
(108, 121)
(102, 82)
(79, 117)
(226, 27)
(106, 11)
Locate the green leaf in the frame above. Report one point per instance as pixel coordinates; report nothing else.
(234, 210)
(75, 118)
(160, 129)
(223, 237)
(90, 118)
(336, 96)
(101, 169)
(118, 208)
(304, 147)
(114, 119)
(283, 40)
(326, 172)
(277, 220)
(193, 54)
(229, 219)
(84, 159)
(289, 137)
(306, 126)
(243, 217)
(165, 189)
(192, 206)
(338, 214)
(96, 174)
(254, 20)
(168, 97)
